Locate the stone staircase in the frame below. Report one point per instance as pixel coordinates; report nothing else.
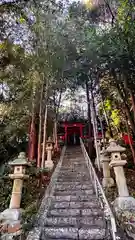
(74, 211)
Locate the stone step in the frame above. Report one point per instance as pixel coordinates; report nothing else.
(73, 187)
(65, 183)
(67, 163)
(72, 173)
(75, 198)
(61, 221)
(67, 154)
(74, 212)
(97, 221)
(83, 173)
(79, 155)
(72, 233)
(73, 168)
(59, 233)
(73, 179)
(74, 222)
(64, 213)
(82, 205)
(73, 160)
(73, 192)
(91, 233)
(74, 176)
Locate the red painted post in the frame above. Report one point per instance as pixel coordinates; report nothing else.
(81, 131)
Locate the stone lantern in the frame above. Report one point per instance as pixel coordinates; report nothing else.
(18, 176)
(124, 201)
(10, 218)
(107, 179)
(49, 148)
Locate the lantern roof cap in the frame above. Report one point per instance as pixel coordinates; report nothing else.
(21, 160)
(114, 147)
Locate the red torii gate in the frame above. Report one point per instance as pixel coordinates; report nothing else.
(71, 128)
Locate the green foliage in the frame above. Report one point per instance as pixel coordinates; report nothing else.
(22, 20)
(108, 105)
(28, 217)
(115, 116)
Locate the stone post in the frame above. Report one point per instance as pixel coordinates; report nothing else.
(107, 181)
(11, 217)
(49, 148)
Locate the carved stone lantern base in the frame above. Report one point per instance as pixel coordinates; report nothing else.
(11, 214)
(124, 203)
(10, 221)
(124, 208)
(49, 164)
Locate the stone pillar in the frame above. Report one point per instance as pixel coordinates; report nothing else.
(16, 194)
(49, 147)
(107, 179)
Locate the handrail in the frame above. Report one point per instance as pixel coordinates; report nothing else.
(99, 191)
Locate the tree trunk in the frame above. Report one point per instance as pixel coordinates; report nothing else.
(127, 111)
(128, 91)
(131, 146)
(56, 147)
(123, 98)
(32, 139)
(55, 135)
(94, 120)
(102, 131)
(44, 138)
(88, 104)
(44, 127)
(133, 102)
(32, 134)
(40, 130)
(106, 117)
(94, 110)
(91, 149)
(126, 108)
